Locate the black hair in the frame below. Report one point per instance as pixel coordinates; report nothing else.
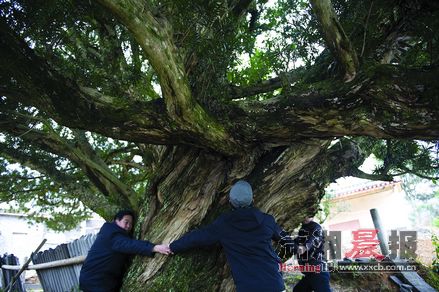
(119, 215)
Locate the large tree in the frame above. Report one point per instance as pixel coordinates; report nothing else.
(161, 105)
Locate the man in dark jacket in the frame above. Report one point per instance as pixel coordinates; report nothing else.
(106, 261)
(246, 235)
(309, 247)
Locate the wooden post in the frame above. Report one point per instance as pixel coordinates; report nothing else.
(381, 233)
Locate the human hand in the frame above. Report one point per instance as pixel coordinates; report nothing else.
(162, 248)
(301, 249)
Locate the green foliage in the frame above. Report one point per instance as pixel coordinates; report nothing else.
(294, 35)
(424, 45)
(430, 274)
(40, 196)
(286, 37)
(219, 45)
(259, 69)
(400, 157)
(291, 279)
(417, 188)
(424, 197)
(49, 187)
(325, 206)
(84, 43)
(435, 264)
(40, 184)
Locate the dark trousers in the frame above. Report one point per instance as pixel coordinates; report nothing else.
(318, 282)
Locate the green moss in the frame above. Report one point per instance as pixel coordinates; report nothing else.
(191, 271)
(431, 277)
(291, 280)
(321, 86)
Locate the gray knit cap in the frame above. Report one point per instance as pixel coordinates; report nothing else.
(241, 194)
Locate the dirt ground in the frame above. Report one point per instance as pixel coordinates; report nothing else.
(366, 282)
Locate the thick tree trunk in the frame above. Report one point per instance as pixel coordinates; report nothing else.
(187, 184)
(191, 189)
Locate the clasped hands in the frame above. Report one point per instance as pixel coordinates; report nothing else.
(163, 249)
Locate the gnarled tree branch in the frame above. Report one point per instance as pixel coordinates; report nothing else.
(335, 37)
(85, 191)
(154, 35)
(81, 154)
(390, 102)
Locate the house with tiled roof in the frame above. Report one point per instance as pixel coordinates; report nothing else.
(350, 203)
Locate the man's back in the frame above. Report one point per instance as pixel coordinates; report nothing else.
(247, 241)
(246, 236)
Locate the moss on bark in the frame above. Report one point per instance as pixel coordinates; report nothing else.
(198, 270)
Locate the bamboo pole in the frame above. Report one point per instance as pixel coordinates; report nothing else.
(54, 264)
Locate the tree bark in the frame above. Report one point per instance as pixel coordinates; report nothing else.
(336, 38)
(282, 145)
(191, 189)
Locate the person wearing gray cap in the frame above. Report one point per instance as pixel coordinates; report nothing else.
(246, 235)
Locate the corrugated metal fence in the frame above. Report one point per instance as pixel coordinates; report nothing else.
(60, 279)
(8, 275)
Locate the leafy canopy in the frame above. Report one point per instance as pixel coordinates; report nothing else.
(54, 162)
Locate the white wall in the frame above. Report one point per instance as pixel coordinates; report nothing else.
(20, 238)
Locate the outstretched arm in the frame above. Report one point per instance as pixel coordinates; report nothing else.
(314, 240)
(201, 237)
(287, 243)
(124, 244)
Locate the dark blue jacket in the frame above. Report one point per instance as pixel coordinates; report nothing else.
(106, 261)
(246, 235)
(311, 236)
